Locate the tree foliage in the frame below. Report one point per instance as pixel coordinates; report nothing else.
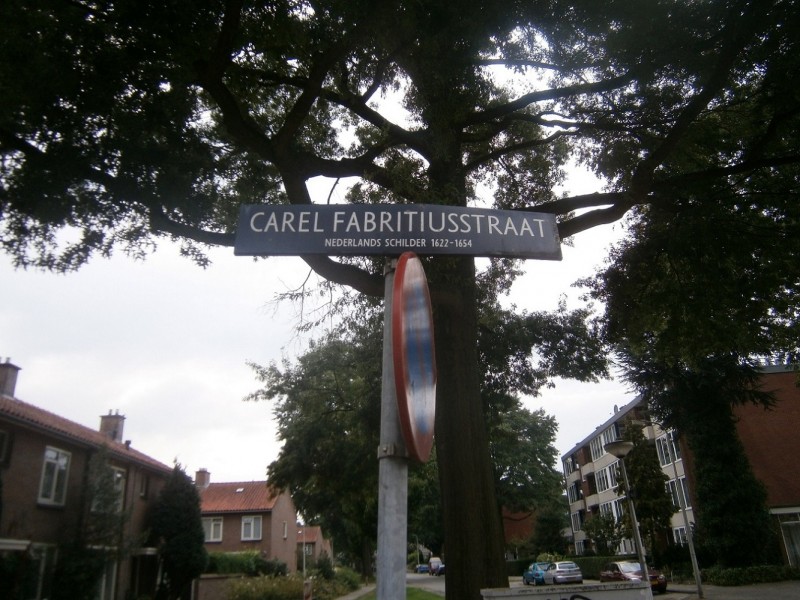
(177, 530)
(98, 534)
(653, 502)
(605, 533)
(327, 407)
(126, 122)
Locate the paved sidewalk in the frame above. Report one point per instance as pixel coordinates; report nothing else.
(783, 590)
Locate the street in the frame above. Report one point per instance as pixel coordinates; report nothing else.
(784, 590)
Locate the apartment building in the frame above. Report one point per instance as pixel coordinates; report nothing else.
(769, 438)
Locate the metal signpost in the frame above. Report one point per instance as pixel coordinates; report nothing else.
(408, 392)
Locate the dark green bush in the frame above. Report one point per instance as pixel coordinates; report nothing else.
(288, 588)
(347, 577)
(749, 575)
(249, 563)
(324, 566)
(514, 568)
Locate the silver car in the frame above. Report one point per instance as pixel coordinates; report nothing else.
(564, 571)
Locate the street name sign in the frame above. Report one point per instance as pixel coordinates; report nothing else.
(390, 230)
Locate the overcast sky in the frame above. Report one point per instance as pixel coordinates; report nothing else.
(166, 343)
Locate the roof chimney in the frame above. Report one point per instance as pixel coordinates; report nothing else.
(112, 425)
(202, 478)
(8, 378)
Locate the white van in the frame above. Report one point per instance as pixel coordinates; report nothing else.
(433, 565)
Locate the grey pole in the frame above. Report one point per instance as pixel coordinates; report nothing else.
(682, 503)
(392, 471)
(637, 535)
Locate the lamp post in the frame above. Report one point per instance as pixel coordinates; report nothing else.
(620, 449)
(682, 503)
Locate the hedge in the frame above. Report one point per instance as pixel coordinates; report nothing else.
(749, 575)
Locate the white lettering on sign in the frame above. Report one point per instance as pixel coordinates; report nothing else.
(270, 224)
(412, 221)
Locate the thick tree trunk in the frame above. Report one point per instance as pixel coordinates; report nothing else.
(473, 536)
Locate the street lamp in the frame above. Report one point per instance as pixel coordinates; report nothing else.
(620, 449)
(682, 503)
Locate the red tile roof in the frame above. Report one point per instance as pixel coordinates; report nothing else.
(310, 534)
(247, 496)
(38, 419)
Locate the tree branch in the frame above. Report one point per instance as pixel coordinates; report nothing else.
(344, 274)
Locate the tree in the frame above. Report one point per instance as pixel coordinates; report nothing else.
(524, 459)
(177, 531)
(654, 507)
(328, 411)
(605, 533)
(130, 121)
(733, 523)
(548, 535)
(97, 536)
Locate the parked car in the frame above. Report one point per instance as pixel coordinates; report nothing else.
(563, 571)
(433, 565)
(440, 570)
(421, 568)
(534, 574)
(628, 570)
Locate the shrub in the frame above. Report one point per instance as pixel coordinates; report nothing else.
(249, 563)
(348, 578)
(265, 588)
(324, 566)
(287, 588)
(749, 575)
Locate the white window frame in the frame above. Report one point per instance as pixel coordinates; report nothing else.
(613, 508)
(596, 446)
(212, 529)
(577, 525)
(678, 489)
(251, 528)
(55, 476)
(679, 535)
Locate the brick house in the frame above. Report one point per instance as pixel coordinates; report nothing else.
(44, 469)
(312, 544)
(248, 516)
(770, 442)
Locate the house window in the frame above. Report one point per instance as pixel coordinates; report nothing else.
(577, 521)
(144, 485)
(251, 528)
(574, 492)
(579, 547)
(212, 528)
(5, 447)
(679, 492)
(679, 535)
(285, 530)
(596, 446)
(53, 485)
(102, 500)
(613, 509)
